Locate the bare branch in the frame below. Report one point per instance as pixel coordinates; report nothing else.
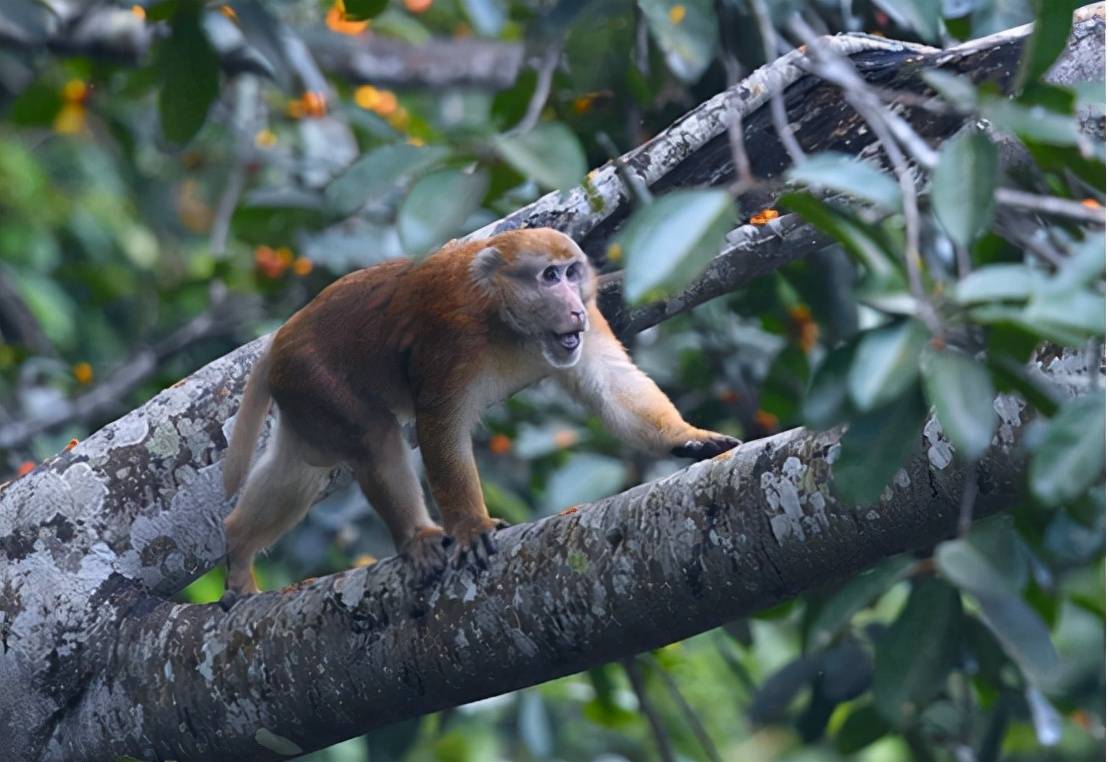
(1052, 205)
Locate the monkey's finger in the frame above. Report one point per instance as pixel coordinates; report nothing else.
(700, 449)
(487, 541)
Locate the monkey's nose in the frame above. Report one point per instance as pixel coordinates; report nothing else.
(578, 317)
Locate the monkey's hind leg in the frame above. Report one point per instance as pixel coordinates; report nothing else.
(388, 478)
(278, 492)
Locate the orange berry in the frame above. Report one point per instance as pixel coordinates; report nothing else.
(338, 22)
(72, 443)
(417, 6)
(26, 467)
(367, 97)
(301, 266)
(565, 438)
(386, 103)
(767, 420)
(500, 444)
(1091, 203)
(764, 216)
(677, 14)
(82, 372)
(138, 11)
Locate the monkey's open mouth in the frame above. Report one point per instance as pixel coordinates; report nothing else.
(568, 341)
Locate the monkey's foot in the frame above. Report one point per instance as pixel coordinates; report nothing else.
(475, 542)
(427, 551)
(707, 444)
(241, 579)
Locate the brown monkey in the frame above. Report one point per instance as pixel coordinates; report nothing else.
(436, 341)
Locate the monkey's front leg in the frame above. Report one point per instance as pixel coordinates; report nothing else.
(447, 449)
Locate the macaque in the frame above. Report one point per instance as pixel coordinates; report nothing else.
(434, 342)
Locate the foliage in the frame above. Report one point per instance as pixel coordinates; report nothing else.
(116, 179)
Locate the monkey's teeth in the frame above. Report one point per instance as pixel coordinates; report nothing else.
(570, 340)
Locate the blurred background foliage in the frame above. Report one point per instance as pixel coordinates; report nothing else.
(158, 210)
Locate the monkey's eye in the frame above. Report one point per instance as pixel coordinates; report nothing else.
(573, 272)
(550, 274)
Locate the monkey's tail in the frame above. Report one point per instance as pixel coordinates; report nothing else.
(248, 422)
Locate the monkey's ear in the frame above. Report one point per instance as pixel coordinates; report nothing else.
(485, 264)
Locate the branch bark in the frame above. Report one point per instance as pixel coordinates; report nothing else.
(115, 33)
(95, 662)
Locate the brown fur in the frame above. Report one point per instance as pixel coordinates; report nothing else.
(436, 341)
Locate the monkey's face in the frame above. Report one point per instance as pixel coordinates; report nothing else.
(560, 303)
(541, 293)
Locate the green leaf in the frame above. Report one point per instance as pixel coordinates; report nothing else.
(437, 205)
(875, 447)
(584, 477)
(960, 389)
(864, 725)
(1020, 631)
(359, 10)
(377, 172)
(190, 77)
(994, 283)
(1071, 456)
(487, 16)
(772, 699)
(1053, 21)
(885, 363)
(855, 594)
(1084, 265)
(862, 240)
(550, 154)
(827, 403)
(1034, 123)
(669, 241)
(963, 184)
(842, 172)
(921, 16)
(957, 90)
(916, 653)
(1066, 316)
(686, 31)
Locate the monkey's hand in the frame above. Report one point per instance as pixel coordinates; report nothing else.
(427, 551)
(474, 541)
(704, 444)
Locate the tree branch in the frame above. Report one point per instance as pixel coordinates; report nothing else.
(658, 563)
(112, 32)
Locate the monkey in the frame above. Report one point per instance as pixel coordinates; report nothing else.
(433, 342)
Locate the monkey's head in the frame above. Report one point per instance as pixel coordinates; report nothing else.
(541, 281)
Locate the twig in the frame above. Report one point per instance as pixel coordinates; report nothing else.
(969, 499)
(697, 727)
(777, 100)
(547, 65)
(221, 319)
(744, 177)
(657, 727)
(1020, 231)
(826, 63)
(245, 121)
(1059, 207)
(1092, 364)
(635, 187)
